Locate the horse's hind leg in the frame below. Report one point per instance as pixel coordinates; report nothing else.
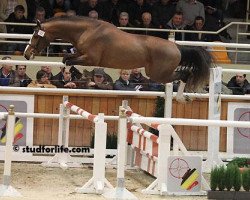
(182, 76)
(179, 96)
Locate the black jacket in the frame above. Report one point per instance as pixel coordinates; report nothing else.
(238, 90)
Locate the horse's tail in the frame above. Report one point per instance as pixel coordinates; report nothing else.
(197, 61)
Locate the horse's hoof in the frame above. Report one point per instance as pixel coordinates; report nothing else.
(184, 99)
(188, 99)
(68, 63)
(181, 100)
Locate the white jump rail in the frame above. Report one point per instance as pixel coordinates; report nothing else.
(189, 122)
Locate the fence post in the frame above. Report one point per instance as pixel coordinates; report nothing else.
(6, 189)
(214, 114)
(120, 192)
(98, 183)
(62, 159)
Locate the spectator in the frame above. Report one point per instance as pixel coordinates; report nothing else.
(215, 6)
(8, 6)
(59, 6)
(213, 23)
(7, 74)
(47, 70)
(112, 10)
(40, 14)
(199, 26)
(139, 81)
(33, 5)
(17, 17)
(123, 82)
(21, 78)
(58, 76)
(86, 6)
(162, 12)
(136, 9)
(190, 10)
(99, 81)
(93, 14)
(65, 80)
(42, 81)
(147, 23)
(124, 21)
(176, 23)
(239, 84)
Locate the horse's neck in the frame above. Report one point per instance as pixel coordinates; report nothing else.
(66, 31)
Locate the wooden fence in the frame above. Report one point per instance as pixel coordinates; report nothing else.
(193, 137)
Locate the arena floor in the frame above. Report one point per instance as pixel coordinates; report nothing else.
(36, 182)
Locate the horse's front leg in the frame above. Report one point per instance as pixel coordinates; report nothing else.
(180, 97)
(80, 60)
(68, 57)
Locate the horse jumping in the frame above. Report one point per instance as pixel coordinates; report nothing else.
(100, 43)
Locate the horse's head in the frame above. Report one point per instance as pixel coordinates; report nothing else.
(37, 43)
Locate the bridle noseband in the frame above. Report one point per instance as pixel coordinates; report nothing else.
(40, 34)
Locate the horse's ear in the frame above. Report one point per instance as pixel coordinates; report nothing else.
(38, 23)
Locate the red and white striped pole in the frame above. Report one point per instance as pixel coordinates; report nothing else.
(80, 111)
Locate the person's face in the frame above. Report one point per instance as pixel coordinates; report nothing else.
(136, 71)
(47, 69)
(21, 70)
(199, 24)
(98, 78)
(240, 79)
(93, 15)
(66, 75)
(123, 21)
(139, 2)
(60, 2)
(125, 75)
(92, 3)
(19, 14)
(40, 15)
(146, 19)
(44, 79)
(177, 20)
(164, 2)
(71, 13)
(7, 67)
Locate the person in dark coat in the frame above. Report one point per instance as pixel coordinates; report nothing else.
(123, 82)
(239, 84)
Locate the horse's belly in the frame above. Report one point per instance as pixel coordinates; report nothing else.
(122, 61)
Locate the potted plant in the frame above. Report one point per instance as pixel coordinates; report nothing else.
(228, 183)
(246, 186)
(242, 163)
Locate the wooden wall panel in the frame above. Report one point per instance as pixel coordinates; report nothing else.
(46, 130)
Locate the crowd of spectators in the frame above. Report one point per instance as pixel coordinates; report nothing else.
(72, 78)
(203, 15)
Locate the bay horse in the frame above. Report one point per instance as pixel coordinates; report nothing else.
(99, 43)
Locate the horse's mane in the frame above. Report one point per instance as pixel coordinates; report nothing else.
(72, 19)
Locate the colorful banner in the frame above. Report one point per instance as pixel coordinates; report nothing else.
(23, 134)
